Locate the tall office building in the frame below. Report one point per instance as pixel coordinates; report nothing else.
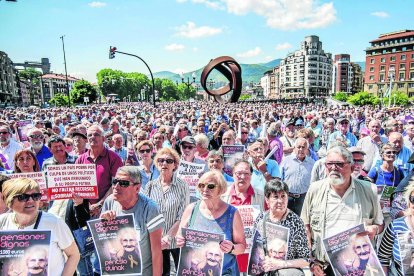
(347, 75)
(9, 90)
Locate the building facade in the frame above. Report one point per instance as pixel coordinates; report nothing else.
(270, 83)
(306, 72)
(390, 56)
(9, 90)
(347, 75)
(53, 84)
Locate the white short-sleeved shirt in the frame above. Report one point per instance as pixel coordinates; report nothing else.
(61, 237)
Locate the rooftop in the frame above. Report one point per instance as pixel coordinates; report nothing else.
(393, 35)
(59, 77)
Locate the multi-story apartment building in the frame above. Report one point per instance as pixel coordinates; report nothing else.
(391, 55)
(269, 83)
(53, 84)
(306, 72)
(9, 90)
(347, 76)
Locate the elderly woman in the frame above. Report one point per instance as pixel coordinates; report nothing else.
(212, 214)
(22, 196)
(147, 167)
(172, 196)
(276, 197)
(202, 143)
(386, 174)
(391, 247)
(25, 162)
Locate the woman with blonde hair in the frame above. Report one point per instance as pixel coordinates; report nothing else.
(22, 196)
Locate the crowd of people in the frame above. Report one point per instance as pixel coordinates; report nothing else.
(314, 169)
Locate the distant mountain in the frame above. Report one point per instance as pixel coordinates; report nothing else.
(250, 72)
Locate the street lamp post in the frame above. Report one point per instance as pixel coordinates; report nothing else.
(66, 71)
(187, 83)
(391, 74)
(211, 84)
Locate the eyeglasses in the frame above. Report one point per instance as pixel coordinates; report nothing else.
(69, 145)
(187, 147)
(244, 132)
(257, 149)
(358, 161)
(144, 150)
(209, 186)
(181, 130)
(37, 136)
(238, 174)
(215, 161)
(169, 161)
(344, 122)
(335, 164)
(26, 197)
(390, 152)
(4, 132)
(122, 183)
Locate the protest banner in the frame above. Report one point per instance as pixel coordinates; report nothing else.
(231, 154)
(350, 252)
(117, 245)
(256, 256)
(201, 254)
(384, 195)
(406, 244)
(39, 177)
(190, 173)
(249, 214)
(25, 252)
(63, 180)
(23, 128)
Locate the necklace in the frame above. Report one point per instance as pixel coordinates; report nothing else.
(22, 226)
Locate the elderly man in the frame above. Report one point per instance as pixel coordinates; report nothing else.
(337, 203)
(107, 163)
(274, 142)
(8, 146)
(36, 139)
(371, 143)
(79, 142)
(188, 150)
(288, 139)
(118, 147)
(215, 161)
(409, 137)
(56, 145)
(126, 199)
(343, 133)
(115, 128)
(296, 172)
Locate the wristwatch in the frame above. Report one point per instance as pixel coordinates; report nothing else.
(232, 249)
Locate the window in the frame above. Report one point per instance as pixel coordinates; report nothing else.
(403, 57)
(402, 76)
(402, 66)
(404, 48)
(382, 68)
(372, 61)
(392, 58)
(371, 77)
(411, 75)
(411, 85)
(370, 87)
(371, 69)
(401, 85)
(383, 59)
(393, 50)
(382, 77)
(411, 65)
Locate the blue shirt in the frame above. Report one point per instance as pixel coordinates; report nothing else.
(350, 138)
(296, 173)
(145, 178)
(42, 155)
(401, 161)
(122, 152)
(258, 180)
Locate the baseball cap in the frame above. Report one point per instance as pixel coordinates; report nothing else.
(189, 140)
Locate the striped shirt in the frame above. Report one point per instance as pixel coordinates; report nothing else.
(390, 248)
(171, 202)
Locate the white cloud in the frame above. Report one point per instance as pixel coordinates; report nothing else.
(251, 53)
(190, 30)
(282, 14)
(216, 5)
(97, 4)
(381, 14)
(174, 47)
(283, 46)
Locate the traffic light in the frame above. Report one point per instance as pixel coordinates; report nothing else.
(112, 52)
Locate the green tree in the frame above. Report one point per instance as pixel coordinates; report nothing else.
(363, 98)
(59, 100)
(245, 97)
(168, 90)
(185, 92)
(401, 99)
(340, 96)
(82, 89)
(32, 76)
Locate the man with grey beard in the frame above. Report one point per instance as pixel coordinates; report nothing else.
(338, 203)
(37, 145)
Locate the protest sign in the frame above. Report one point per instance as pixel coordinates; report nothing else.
(201, 254)
(39, 177)
(406, 244)
(24, 252)
(23, 128)
(231, 154)
(190, 173)
(384, 195)
(256, 256)
(351, 253)
(249, 214)
(117, 245)
(63, 180)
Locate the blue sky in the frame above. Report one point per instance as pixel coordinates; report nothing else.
(183, 35)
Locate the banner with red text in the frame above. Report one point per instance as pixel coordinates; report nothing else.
(39, 177)
(24, 252)
(117, 245)
(201, 254)
(64, 180)
(351, 253)
(249, 214)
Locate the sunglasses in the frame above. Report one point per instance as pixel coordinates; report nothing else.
(26, 197)
(37, 136)
(209, 186)
(344, 122)
(390, 152)
(187, 147)
(244, 132)
(359, 162)
(4, 132)
(335, 164)
(145, 151)
(169, 161)
(122, 183)
(411, 198)
(69, 145)
(181, 130)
